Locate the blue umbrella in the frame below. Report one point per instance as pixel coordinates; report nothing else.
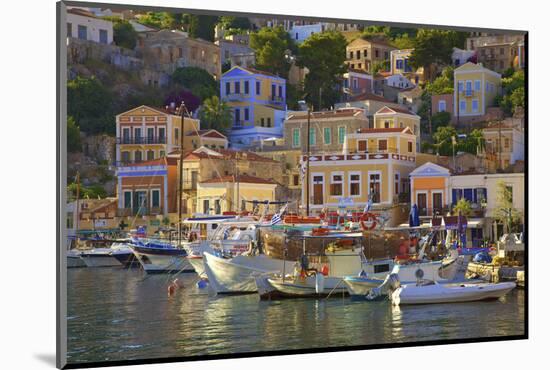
(414, 218)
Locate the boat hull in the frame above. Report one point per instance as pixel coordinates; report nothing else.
(75, 262)
(100, 260)
(297, 288)
(449, 293)
(162, 261)
(237, 275)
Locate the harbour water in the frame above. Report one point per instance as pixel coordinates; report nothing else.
(119, 314)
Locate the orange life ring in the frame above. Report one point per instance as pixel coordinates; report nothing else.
(368, 217)
(319, 231)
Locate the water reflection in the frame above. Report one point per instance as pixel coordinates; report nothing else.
(116, 314)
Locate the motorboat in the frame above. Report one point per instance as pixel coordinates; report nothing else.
(160, 257)
(124, 254)
(433, 292)
(99, 257)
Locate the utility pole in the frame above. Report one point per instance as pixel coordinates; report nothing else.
(307, 160)
(182, 110)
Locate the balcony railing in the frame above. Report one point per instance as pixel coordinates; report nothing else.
(235, 96)
(141, 140)
(477, 211)
(139, 211)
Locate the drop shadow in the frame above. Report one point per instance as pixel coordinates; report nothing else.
(47, 358)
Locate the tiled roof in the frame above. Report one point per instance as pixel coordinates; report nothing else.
(241, 178)
(370, 96)
(206, 133)
(394, 110)
(341, 113)
(81, 12)
(222, 154)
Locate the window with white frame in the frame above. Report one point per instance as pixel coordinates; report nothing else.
(341, 134)
(336, 182)
(155, 198)
(375, 184)
(460, 86)
(442, 107)
(462, 106)
(396, 183)
(475, 106)
(354, 184)
(477, 85)
(296, 137)
(127, 199)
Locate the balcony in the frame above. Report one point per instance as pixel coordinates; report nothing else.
(235, 96)
(477, 211)
(276, 99)
(139, 211)
(141, 140)
(189, 185)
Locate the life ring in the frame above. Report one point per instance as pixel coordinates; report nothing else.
(368, 221)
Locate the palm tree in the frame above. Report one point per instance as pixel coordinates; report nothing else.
(217, 114)
(462, 207)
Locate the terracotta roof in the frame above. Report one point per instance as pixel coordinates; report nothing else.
(341, 113)
(224, 154)
(241, 178)
(370, 96)
(206, 133)
(396, 110)
(384, 74)
(81, 12)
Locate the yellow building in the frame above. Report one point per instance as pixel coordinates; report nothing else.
(475, 89)
(394, 117)
(361, 54)
(375, 162)
(233, 193)
(145, 133)
(258, 102)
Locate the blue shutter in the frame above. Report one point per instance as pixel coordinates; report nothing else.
(469, 194)
(456, 195)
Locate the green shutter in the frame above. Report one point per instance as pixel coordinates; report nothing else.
(296, 137)
(341, 134)
(327, 135)
(312, 136)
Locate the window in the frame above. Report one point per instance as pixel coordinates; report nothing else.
(312, 138)
(137, 156)
(326, 135)
(437, 202)
(296, 137)
(125, 157)
(475, 106)
(258, 87)
(442, 107)
(386, 124)
(237, 87)
(217, 207)
(280, 91)
(376, 53)
(336, 181)
(357, 54)
(137, 135)
(296, 35)
(126, 136)
(501, 64)
(410, 146)
(382, 145)
(365, 53)
(362, 146)
(246, 114)
(355, 184)
(341, 134)
(468, 88)
(150, 135)
(227, 88)
(487, 86)
(237, 116)
(399, 64)
(69, 30)
(268, 121)
(176, 134)
(272, 91)
(296, 180)
(82, 32)
(460, 86)
(359, 65)
(374, 187)
(351, 54)
(103, 36)
(162, 153)
(127, 199)
(262, 122)
(477, 85)
(150, 155)
(155, 198)
(506, 143)
(462, 106)
(162, 135)
(246, 87)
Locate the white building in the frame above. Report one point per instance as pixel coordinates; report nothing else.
(84, 25)
(460, 56)
(300, 33)
(399, 81)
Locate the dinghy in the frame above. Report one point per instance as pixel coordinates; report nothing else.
(433, 292)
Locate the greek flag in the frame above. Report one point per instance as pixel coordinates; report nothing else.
(368, 205)
(278, 217)
(303, 169)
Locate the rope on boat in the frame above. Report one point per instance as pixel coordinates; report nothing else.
(333, 289)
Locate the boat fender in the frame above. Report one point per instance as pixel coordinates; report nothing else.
(201, 284)
(172, 289)
(324, 270)
(319, 283)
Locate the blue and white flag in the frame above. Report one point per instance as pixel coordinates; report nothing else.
(303, 169)
(368, 205)
(278, 217)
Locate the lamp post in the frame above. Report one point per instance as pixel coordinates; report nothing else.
(182, 110)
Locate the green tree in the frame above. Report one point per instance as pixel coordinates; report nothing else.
(443, 84)
(197, 80)
(161, 20)
(513, 93)
(89, 102)
(240, 23)
(202, 26)
(471, 143)
(505, 212)
(216, 114)
(86, 192)
(383, 66)
(124, 34)
(443, 140)
(73, 136)
(403, 42)
(440, 119)
(462, 207)
(434, 48)
(323, 54)
(270, 45)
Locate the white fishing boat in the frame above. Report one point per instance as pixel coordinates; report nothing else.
(317, 274)
(124, 254)
(433, 292)
(99, 257)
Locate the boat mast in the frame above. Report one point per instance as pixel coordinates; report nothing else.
(77, 223)
(181, 110)
(307, 160)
